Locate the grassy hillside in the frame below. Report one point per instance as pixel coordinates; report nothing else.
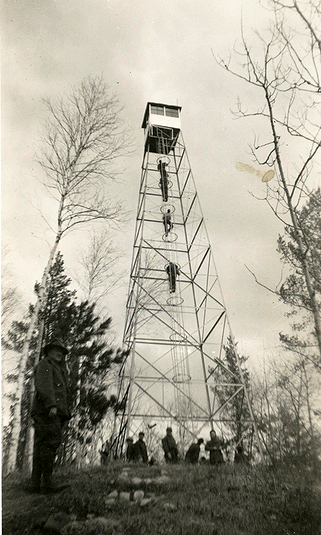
(178, 500)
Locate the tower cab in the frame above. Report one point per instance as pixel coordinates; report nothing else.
(162, 126)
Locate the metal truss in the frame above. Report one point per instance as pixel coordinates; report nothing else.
(175, 372)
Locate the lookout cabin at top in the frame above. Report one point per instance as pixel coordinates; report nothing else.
(162, 126)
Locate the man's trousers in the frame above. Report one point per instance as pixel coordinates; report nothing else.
(48, 434)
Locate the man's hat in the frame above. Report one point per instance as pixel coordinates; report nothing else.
(55, 342)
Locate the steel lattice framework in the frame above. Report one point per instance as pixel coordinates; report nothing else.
(176, 324)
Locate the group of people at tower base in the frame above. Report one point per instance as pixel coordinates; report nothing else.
(50, 411)
(137, 451)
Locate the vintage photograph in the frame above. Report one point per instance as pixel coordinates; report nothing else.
(161, 267)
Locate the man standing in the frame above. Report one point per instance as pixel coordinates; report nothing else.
(193, 452)
(214, 446)
(172, 271)
(170, 447)
(130, 450)
(49, 412)
(240, 456)
(167, 221)
(140, 448)
(105, 452)
(163, 183)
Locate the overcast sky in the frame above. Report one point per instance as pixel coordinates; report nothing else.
(147, 50)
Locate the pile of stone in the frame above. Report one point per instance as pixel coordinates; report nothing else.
(67, 524)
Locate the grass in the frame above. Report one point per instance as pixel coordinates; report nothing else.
(202, 500)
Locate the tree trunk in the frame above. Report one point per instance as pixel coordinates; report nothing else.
(313, 448)
(296, 227)
(24, 357)
(28, 451)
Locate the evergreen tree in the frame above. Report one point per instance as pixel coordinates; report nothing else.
(91, 361)
(90, 358)
(235, 411)
(293, 291)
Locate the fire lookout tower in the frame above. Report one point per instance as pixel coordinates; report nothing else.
(176, 326)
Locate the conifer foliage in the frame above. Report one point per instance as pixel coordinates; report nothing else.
(231, 396)
(293, 291)
(91, 360)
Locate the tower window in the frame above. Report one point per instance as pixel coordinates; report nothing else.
(157, 110)
(171, 112)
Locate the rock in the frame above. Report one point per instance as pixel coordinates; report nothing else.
(136, 480)
(169, 507)
(138, 495)
(110, 501)
(113, 494)
(145, 501)
(162, 480)
(125, 496)
(57, 522)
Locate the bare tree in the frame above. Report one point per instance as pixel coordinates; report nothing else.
(83, 136)
(286, 403)
(285, 69)
(10, 297)
(100, 269)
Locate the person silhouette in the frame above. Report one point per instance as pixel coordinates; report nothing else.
(167, 221)
(163, 183)
(170, 447)
(172, 271)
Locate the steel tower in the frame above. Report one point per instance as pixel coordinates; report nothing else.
(176, 325)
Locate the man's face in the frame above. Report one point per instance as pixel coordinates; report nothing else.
(55, 353)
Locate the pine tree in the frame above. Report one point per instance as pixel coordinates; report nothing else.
(293, 291)
(236, 411)
(91, 362)
(90, 358)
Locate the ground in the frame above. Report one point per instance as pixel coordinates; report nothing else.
(182, 499)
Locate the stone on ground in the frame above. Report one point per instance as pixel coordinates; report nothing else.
(112, 494)
(138, 495)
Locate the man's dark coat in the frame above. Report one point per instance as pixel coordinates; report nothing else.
(51, 389)
(141, 451)
(192, 453)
